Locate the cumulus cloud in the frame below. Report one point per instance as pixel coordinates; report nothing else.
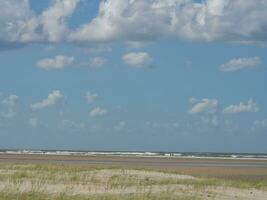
(137, 59)
(8, 105)
(90, 97)
(53, 20)
(242, 107)
(95, 63)
(20, 25)
(208, 20)
(208, 106)
(59, 62)
(97, 112)
(17, 22)
(240, 63)
(52, 99)
(134, 21)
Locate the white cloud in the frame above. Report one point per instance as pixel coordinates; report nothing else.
(59, 62)
(96, 112)
(17, 22)
(137, 59)
(207, 20)
(242, 107)
(208, 106)
(20, 25)
(34, 122)
(52, 99)
(90, 97)
(240, 63)
(53, 20)
(95, 63)
(243, 21)
(9, 106)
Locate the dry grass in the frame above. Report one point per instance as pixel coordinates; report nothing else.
(56, 182)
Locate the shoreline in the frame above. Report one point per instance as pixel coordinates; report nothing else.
(212, 156)
(142, 161)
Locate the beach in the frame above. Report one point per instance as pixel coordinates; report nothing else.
(131, 177)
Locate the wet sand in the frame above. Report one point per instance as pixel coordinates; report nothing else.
(193, 166)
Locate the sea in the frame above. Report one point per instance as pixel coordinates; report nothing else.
(212, 155)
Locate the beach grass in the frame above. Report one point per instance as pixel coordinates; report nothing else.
(56, 182)
(64, 196)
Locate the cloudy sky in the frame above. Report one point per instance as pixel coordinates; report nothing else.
(161, 75)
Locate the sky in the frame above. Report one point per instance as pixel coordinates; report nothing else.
(134, 75)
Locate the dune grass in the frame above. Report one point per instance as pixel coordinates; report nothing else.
(58, 182)
(63, 196)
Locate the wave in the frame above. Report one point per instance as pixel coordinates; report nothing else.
(139, 154)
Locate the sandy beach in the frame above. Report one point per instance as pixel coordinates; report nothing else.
(131, 177)
(213, 166)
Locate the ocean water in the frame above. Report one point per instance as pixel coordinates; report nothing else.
(140, 154)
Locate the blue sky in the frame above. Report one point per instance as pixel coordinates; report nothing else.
(177, 75)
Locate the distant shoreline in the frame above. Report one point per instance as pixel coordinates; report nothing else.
(196, 155)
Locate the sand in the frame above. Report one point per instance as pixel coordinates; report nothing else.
(166, 174)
